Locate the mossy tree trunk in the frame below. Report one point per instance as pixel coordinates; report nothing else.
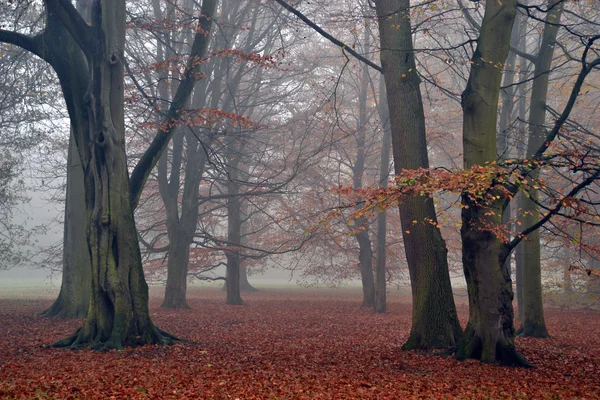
(490, 332)
(118, 311)
(533, 323)
(434, 320)
(91, 77)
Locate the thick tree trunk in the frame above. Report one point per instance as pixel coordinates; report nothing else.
(434, 321)
(118, 311)
(60, 50)
(384, 172)
(74, 297)
(91, 77)
(490, 332)
(533, 323)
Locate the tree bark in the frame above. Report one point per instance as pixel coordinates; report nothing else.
(234, 224)
(533, 323)
(61, 51)
(74, 297)
(93, 89)
(118, 311)
(365, 251)
(565, 258)
(490, 332)
(521, 142)
(384, 172)
(177, 269)
(245, 285)
(434, 321)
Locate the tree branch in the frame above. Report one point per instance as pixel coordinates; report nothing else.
(585, 70)
(142, 170)
(73, 21)
(513, 243)
(475, 25)
(327, 36)
(25, 42)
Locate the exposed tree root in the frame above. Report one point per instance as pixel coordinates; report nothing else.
(528, 329)
(81, 339)
(503, 353)
(58, 309)
(176, 305)
(417, 341)
(248, 288)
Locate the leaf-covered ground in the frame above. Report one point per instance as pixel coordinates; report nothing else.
(316, 344)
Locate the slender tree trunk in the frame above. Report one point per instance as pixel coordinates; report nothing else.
(234, 224)
(533, 323)
(490, 332)
(566, 262)
(519, 257)
(179, 240)
(74, 297)
(508, 101)
(365, 255)
(365, 262)
(177, 269)
(384, 172)
(245, 285)
(521, 144)
(434, 321)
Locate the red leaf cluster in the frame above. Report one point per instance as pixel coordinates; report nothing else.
(316, 344)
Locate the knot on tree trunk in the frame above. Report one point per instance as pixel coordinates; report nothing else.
(113, 59)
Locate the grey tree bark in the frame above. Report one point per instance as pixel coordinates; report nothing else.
(380, 261)
(365, 255)
(74, 297)
(489, 335)
(533, 323)
(434, 321)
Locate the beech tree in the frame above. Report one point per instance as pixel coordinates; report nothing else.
(92, 81)
(435, 322)
(74, 297)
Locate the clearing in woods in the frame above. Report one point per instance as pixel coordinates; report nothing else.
(287, 344)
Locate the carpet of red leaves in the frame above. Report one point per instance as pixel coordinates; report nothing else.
(316, 344)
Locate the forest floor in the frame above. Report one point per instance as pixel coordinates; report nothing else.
(288, 344)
